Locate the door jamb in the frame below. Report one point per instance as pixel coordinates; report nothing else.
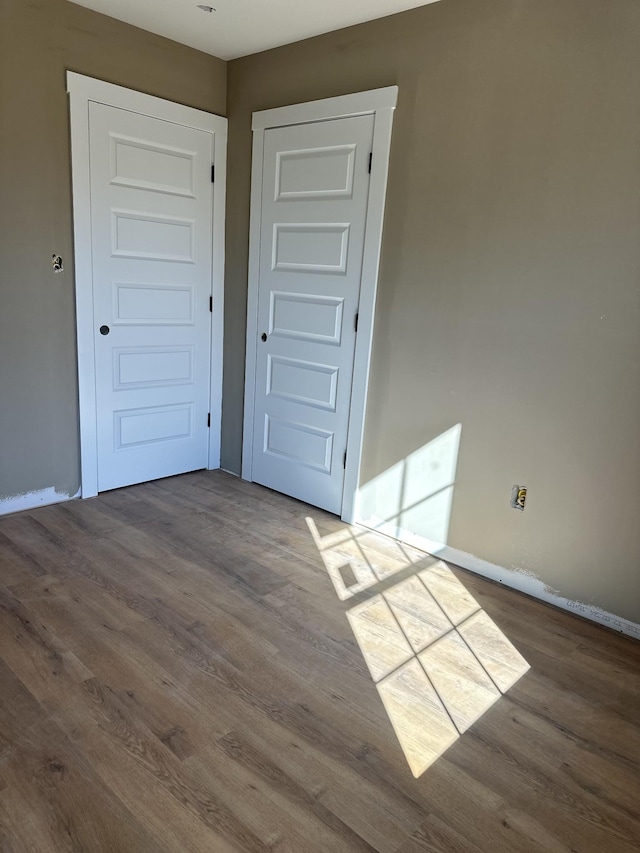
(381, 104)
(82, 90)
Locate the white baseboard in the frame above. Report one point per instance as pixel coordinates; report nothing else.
(520, 580)
(42, 497)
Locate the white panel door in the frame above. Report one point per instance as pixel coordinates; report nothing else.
(314, 199)
(151, 226)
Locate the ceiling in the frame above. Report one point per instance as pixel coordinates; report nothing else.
(240, 27)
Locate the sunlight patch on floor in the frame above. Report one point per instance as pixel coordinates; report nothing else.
(356, 563)
(418, 716)
(379, 636)
(438, 660)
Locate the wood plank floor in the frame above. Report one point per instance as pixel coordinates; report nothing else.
(179, 672)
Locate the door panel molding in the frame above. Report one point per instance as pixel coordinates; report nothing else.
(381, 104)
(82, 91)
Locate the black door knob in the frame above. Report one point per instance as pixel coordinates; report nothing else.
(264, 336)
(104, 330)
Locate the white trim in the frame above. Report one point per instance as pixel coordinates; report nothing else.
(366, 310)
(217, 285)
(79, 117)
(41, 497)
(358, 104)
(513, 578)
(252, 306)
(381, 103)
(83, 90)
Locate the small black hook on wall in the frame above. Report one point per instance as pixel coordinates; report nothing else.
(56, 263)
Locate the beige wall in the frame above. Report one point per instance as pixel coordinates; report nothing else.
(510, 282)
(510, 285)
(39, 40)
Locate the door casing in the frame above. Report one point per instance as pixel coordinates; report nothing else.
(381, 104)
(82, 90)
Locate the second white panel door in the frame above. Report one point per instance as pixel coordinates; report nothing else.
(315, 187)
(151, 221)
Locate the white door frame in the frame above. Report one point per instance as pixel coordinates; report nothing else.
(83, 90)
(381, 104)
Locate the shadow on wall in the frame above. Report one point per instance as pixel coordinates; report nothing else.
(437, 659)
(415, 496)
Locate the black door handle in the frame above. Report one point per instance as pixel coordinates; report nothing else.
(264, 336)
(104, 330)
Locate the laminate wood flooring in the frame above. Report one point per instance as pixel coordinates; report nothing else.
(202, 665)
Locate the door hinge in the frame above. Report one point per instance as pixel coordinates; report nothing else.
(344, 460)
(370, 160)
(213, 173)
(355, 323)
(209, 419)
(211, 304)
